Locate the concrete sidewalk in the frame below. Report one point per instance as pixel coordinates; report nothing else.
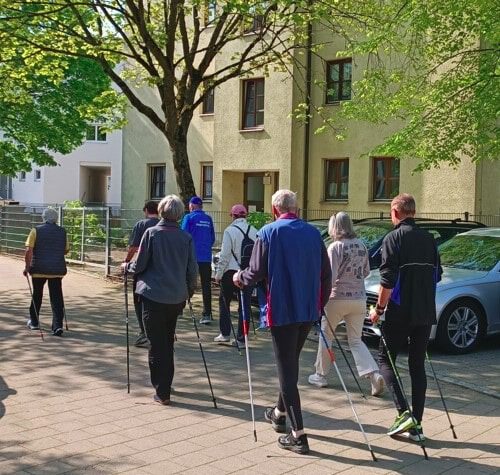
(64, 407)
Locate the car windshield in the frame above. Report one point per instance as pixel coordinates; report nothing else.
(372, 233)
(471, 252)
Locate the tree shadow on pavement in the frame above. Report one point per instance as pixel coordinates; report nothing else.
(5, 392)
(389, 457)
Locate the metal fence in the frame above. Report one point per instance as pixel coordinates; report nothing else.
(98, 236)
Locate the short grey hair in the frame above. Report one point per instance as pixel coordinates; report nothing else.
(50, 215)
(340, 227)
(404, 203)
(171, 208)
(285, 201)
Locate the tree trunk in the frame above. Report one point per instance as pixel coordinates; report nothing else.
(183, 176)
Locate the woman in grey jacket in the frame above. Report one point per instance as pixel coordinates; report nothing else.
(349, 259)
(166, 273)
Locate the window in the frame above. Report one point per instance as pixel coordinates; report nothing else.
(338, 80)
(337, 179)
(207, 172)
(210, 12)
(157, 182)
(385, 178)
(38, 175)
(253, 105)
(22, 176)
(256, 22)
(208, 102)
(95, 133)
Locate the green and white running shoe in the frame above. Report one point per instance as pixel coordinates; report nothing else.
(403, 423)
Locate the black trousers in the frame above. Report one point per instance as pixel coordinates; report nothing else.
(137, 305)
(56, 300)
(288, 341)
(205, 270)
(399, 336)
(160, 320)
(227, 291)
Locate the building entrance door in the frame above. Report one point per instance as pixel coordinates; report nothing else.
(254, 191)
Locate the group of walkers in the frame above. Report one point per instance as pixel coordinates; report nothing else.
(303, 283)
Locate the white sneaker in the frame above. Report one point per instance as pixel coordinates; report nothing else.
(377, 383)
(221, 339)
(318, 380)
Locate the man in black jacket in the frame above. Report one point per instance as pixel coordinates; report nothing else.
(409, 273)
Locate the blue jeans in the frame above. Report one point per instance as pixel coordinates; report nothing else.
(227, 292)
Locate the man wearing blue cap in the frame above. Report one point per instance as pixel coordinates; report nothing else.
(201, 227)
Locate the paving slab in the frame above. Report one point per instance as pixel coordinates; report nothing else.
(64, 406)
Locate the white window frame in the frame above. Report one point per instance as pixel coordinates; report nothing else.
(39, 172)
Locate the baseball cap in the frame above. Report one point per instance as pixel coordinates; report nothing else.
(238, 210)
(195, 200)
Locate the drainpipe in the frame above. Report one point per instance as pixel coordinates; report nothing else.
(307, 128)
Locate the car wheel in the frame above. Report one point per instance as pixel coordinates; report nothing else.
(461, 327)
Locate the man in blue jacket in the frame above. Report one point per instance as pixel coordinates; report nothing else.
(201, 227)
(289, 253)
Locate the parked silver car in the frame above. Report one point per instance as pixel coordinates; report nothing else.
(468, 296)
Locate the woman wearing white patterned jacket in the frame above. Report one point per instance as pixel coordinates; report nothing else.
(350, 265)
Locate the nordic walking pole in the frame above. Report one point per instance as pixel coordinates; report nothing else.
(125, 289)
(34, 306)
(65, 318)
(345, 357)
(400, 384)
(245, 333)
(202, 354)
(332, 358)
(441, 394)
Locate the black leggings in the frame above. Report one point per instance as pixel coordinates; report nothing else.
(288, 341)
(205, 270)
(398, 337)
(160, 320)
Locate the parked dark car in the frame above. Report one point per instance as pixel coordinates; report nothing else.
(468, 296)
(372, 231)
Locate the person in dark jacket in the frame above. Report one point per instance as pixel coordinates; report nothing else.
(151, 219)
(166, 277)
(409, 273)
(201, 227)
(290, 254)
(46, 246)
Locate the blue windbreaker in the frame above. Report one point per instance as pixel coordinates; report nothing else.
(201, 227)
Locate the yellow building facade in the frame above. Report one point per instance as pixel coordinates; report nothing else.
(243, 145)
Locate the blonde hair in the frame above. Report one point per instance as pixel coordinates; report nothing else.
(171, 208)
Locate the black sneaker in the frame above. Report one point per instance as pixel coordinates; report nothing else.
(299, 445)
(142, 341)
(277, 423)
(206, 319)
(57, 332)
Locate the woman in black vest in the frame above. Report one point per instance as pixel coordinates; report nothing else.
(46, 246)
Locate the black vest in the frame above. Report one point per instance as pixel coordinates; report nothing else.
(48, 253)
